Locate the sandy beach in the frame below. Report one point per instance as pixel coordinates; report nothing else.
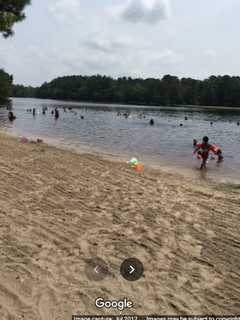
(59, 208)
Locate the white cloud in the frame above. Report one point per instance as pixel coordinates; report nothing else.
(145, 11)
(2, 61)
(165, 57)
(117, 57)
(210, 53)
(65, 9)
(106, 45)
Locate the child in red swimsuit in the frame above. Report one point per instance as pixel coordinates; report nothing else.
(203, 150)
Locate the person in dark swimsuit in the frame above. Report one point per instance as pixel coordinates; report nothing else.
(11, 116)
(56, 113)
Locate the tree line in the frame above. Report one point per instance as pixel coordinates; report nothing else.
(11, 12)
(5, 86)
(169, 90)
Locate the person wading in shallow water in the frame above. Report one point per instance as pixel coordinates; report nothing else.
(11, 116)
(56, 113)
(151, 122)
(203, 149)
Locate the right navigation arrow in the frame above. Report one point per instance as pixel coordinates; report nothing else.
(131, 269)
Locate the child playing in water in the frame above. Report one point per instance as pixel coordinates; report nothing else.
(204, 148)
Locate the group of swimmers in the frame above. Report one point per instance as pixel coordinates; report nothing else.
(141, 115)
(33, 111)
(55, 112)
(126, 114)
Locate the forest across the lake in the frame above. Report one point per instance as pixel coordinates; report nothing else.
(5, 86)
(169, 90)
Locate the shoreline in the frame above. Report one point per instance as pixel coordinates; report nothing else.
(59, 208)
(191, 174)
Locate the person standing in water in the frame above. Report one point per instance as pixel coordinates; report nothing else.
(56, 113)
(11, 116)
(34, 112)
(151, 122)
(203, 149)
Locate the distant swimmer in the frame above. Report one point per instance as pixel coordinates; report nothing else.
(34, 112)
(238, 123)
(82, 117)
(203, 149)
(56, 113)
(194, 142)
(151, 122)
(181, 125)
(186, 118)
(52, 112)
(11, 116)
(211, 123)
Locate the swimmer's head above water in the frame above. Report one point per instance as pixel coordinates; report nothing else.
(205, 139)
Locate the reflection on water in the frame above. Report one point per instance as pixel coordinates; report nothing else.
(102, 130)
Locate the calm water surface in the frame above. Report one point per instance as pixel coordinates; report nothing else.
(103, 131)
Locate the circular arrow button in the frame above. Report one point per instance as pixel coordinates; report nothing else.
(132, 269)
(96, 269)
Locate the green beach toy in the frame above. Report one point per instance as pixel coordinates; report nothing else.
(133, 161)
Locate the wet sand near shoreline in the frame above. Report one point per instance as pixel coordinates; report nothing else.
(59, 208)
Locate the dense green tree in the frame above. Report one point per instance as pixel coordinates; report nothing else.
(190, 90)
(11, 11)
(172, 92)
(21, 91)
(5, 86)
(214, 91)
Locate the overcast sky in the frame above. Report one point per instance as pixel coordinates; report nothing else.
(138, 38)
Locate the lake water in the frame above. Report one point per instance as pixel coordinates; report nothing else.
(101, 130)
